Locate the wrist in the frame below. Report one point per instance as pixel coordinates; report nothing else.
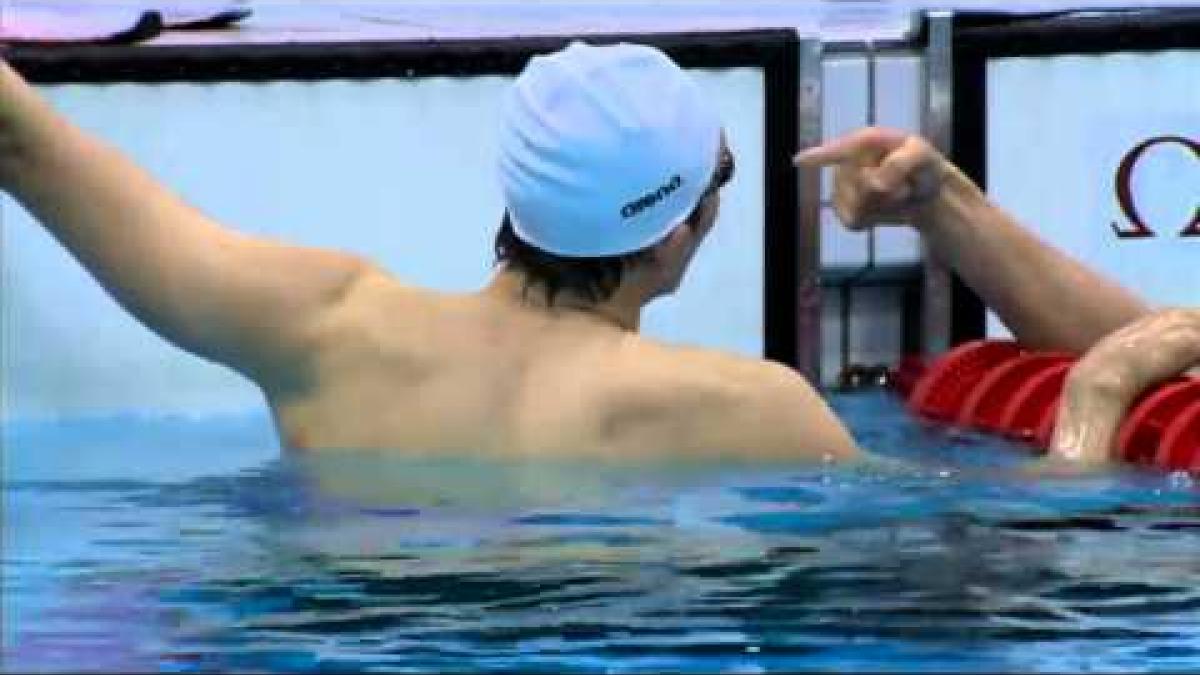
(14, 115)
(1093, 403)
(956, 199)
(10, 95)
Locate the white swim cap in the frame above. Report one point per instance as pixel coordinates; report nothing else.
(604, 150)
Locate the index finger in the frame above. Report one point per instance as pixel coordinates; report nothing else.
(848, 147)
(833, 152)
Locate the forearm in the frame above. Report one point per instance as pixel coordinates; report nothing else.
(1103, 384)
(1047, 299)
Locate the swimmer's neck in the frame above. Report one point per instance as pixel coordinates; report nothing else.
(622, 311)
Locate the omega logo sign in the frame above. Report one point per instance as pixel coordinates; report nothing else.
(1138, 227)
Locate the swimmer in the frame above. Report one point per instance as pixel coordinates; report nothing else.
(1049, 300)
(611, 164)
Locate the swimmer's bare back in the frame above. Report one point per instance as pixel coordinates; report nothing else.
(349, 357)
(396, 366)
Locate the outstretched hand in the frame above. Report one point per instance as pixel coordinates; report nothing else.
(881, 175)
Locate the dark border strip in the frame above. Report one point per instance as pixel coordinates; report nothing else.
(776, 52)
(968, 315)
(904, 47)
(781, 198)
(312, 61)
(1144, 29)
(979, 37)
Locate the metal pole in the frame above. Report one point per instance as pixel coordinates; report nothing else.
(936, 123)
(845, 376)
(808, 291)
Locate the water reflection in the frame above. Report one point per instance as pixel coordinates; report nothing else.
(352, 562)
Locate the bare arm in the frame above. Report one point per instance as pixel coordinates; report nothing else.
(1049, 300)
(240, 301)
(1108, 379)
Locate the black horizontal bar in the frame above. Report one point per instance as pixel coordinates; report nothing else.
(1078, 32)
(311, 61)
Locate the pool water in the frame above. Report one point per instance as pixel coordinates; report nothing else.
(192, 545)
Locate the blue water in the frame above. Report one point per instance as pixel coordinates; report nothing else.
(184, 545)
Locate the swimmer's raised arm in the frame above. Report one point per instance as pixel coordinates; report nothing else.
(241, 301)
(1049, 300)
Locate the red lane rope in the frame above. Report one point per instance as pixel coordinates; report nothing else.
(999, 387)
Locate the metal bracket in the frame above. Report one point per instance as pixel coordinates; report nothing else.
(937, 126)
(808, 291)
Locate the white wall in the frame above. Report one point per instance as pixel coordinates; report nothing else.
(876, 325)
(1053, 150)
(381, 168)
(400, 171)
(897, 104)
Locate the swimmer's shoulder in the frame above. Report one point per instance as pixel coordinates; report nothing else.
(718, 402)
(378, 316)
(378, 294)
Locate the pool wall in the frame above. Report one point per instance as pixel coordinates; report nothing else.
(380, 165)
(398, 169)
